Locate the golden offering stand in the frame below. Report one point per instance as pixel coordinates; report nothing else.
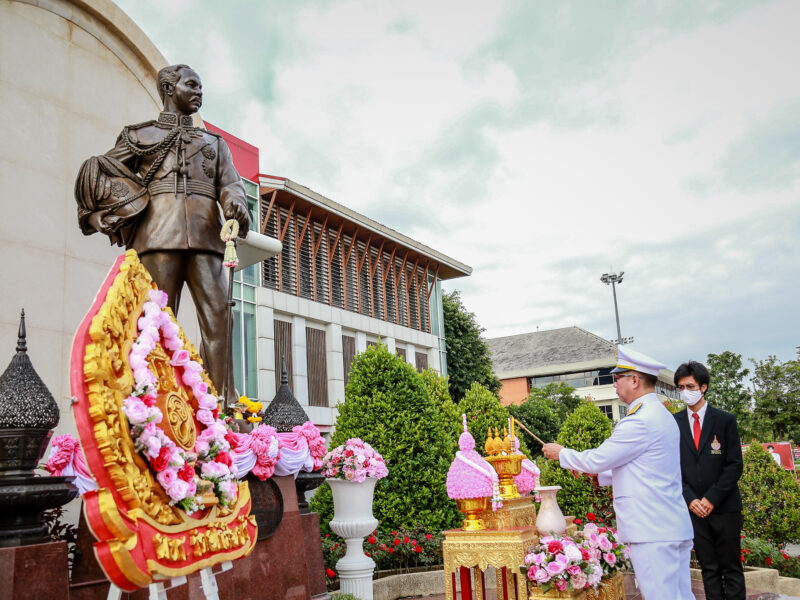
(507, 537)
(499, 538)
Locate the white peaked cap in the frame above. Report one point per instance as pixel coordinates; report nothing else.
(630, 360)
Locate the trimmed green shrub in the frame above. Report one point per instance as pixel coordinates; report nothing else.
(388, 406)
(770, 498)
(585, 428)
(438, 388)
(483, 410)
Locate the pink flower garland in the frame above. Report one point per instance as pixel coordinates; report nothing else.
(211, 451)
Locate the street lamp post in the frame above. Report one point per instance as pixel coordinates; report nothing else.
(614, 279)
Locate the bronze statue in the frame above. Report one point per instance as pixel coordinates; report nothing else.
(159, 191)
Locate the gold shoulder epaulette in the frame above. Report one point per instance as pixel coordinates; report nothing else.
(634, 410)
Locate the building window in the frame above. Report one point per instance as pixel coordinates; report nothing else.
(317, 367)
(245, 360)
(283, 350)
(348, 354)
(577, 379)
(401, 352)
(667, 390)
(607, 411)
(421, 359)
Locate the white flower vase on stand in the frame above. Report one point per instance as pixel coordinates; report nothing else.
(549, 518)
(353, 520)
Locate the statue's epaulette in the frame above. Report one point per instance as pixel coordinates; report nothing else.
(635, 409)
(204, 130)
(142, 124)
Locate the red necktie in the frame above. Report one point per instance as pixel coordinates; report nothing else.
(696, 431)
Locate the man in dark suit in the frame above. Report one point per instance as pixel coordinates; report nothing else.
(711, 464)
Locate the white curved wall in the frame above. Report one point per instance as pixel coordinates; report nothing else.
(72, 73)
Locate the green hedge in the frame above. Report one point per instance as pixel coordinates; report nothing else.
(387, 404)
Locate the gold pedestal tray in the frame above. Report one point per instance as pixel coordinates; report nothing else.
(516, 513)
(612, 588)
(473, 509)
(507, 466)
(477, 550)
(536, 593)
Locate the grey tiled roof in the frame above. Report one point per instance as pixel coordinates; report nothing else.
(539, 349)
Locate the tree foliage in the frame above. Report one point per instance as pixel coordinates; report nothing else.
(468, 357)
(388, 406)
(586, 427)
(484, 410)
(726, 389)
(776, 391)
(544, 412)
(770, 498)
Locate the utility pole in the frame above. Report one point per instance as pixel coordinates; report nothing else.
(613, 279)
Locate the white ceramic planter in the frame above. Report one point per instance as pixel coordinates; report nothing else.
(353, 520)
(549, 518)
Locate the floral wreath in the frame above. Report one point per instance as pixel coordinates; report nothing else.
(185, 476)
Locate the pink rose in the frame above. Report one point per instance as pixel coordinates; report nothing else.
(178, 490)
(541, 576)
(610, 559)
(193, 367)
(206, 401)
(179, 358)
(604, 543)
(201, 447)
(158, 297)
(574, 570)
(200, 388)
(167, 477)
(191, 378)
(579, 582)
(136, 410)
(554, 568)
(153, 446)
(204, 416)
(561, 585)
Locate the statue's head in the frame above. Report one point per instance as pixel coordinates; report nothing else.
(180, 89)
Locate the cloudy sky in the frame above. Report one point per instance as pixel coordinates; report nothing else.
(541, 143)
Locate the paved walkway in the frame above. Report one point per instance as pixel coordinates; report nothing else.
(632, 593)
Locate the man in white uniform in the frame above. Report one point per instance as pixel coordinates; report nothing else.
(641, 460)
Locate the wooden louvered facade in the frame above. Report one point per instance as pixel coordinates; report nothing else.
(330, 259)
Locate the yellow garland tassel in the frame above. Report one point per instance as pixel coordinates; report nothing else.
(228, 234)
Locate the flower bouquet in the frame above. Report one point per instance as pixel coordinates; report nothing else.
(559, 566)
(612, 556)
(354, 461)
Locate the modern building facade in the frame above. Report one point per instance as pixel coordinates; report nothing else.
(568, 355)
(341, 282)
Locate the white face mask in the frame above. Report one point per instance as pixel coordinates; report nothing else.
(691, 397)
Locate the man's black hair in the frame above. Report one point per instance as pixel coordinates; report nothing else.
(693, 369)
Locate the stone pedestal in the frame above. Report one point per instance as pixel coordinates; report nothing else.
(35, 572)
(286, 566)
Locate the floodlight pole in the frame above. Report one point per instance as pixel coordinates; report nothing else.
(613, 279)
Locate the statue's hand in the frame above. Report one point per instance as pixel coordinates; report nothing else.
(240, 213)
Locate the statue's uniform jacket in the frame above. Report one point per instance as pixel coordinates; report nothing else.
(641, 460)
(177, 221)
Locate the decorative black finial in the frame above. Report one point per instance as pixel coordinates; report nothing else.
(22, 345)
(284, 375)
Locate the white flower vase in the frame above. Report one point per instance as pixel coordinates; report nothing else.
(353, 520)
(549, 518)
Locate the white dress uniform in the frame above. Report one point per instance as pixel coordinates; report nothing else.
(641, 460)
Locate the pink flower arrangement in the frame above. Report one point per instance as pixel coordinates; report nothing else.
(603, 547)
(316, 444)
(354, 461)
(561, 563)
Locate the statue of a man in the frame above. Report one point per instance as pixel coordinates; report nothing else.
(188, 175)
